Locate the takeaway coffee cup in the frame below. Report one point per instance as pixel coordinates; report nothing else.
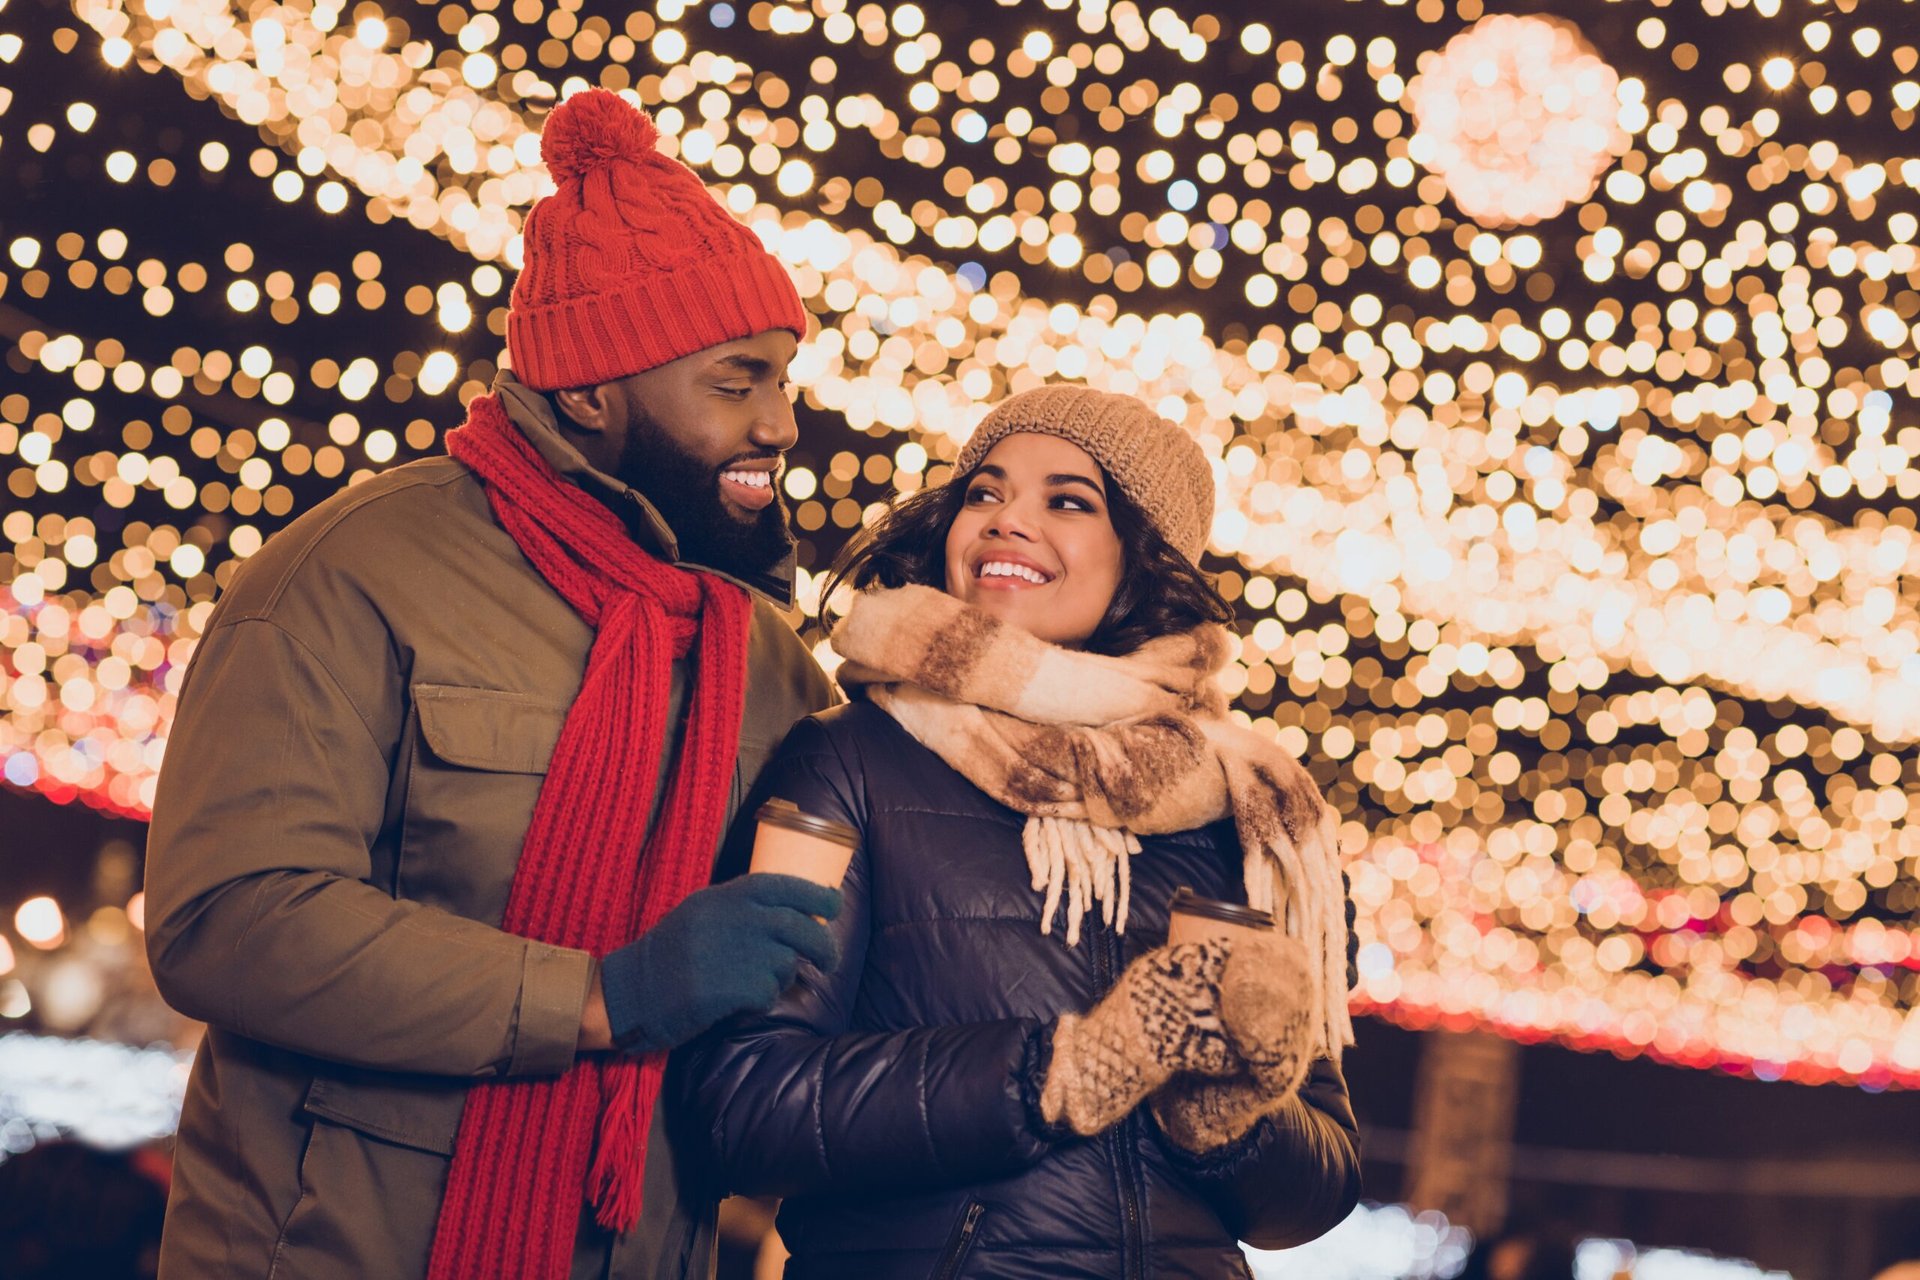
(1196, 919)
(792, 843)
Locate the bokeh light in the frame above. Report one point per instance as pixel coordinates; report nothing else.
(39, 923)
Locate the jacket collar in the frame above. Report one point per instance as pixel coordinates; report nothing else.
(532, 414)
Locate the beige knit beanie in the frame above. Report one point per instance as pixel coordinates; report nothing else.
(1154, 462)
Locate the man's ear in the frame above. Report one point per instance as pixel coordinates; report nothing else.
(590, 409)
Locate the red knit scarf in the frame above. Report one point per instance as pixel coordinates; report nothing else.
(590, 874)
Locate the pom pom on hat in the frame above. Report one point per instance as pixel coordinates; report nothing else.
(593, 130)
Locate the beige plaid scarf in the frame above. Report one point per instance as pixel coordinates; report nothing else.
(1098, 751)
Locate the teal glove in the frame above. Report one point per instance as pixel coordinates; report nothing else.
(729, 948)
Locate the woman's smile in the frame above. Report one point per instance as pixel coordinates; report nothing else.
(1005, 571)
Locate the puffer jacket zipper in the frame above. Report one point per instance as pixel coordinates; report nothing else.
(1120, 1138)
(960, 1242)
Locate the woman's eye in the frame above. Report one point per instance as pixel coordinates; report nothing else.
(982, 494)
(1072, 503)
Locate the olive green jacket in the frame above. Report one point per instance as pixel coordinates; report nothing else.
(361, 739)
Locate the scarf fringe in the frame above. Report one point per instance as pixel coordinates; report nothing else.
(1087, 864)
(617, 1179)
(1314, 912)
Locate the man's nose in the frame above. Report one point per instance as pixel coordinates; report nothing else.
(775, 426)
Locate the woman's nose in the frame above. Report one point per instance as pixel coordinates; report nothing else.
(1010, 522)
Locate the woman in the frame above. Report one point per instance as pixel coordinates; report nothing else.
(978, 1088)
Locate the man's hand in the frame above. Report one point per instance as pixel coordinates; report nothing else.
(729, 948)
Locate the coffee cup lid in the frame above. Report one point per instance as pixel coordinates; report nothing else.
(785, 813)
(1187, 902)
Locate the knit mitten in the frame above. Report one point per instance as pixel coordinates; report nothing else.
(1162, 1017)
(1267, 1009)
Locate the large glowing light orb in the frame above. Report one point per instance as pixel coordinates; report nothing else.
(1519, 116)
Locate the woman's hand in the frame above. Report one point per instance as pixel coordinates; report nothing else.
(1164, 1016)
(1268, 1016)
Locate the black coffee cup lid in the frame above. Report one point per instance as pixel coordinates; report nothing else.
(787, 814)
(1187, 902)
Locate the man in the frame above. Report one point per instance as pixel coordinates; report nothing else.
(452, 765)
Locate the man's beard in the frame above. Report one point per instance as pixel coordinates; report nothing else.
(686, 493)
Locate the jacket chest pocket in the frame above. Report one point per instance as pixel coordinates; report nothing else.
(478, 763)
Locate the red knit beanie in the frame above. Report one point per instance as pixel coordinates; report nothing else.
(631, 263)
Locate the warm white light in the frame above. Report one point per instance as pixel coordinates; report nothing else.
(380, 446)
(39, 923)
(669, 46)
(437, 372)
(479, 70)
(794, 178)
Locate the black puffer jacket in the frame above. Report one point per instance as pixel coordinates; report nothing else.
(894, 1103)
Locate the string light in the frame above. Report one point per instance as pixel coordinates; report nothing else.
(1575, 555)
